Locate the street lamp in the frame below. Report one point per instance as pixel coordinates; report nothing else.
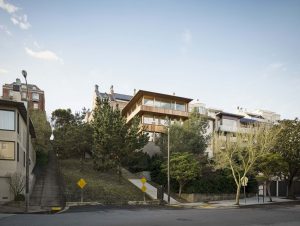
(168, 128)
(24, 73)
(168, 165)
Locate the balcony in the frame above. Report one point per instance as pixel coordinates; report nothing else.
(164, 111)
(160, 111)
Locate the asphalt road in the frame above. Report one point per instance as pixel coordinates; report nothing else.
(288, 215)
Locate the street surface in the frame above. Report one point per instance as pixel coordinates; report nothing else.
(275, 215)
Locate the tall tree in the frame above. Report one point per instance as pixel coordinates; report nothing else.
(114, 139)
(72, 136)
(240, 153)
(183, 168)
(271, 165)
(62, 117)
(42, 129)
(288, 146)
(189, 135)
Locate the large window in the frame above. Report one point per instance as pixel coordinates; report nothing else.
(229, 122)
(148, 120)
(7, 150)
(180, 107)
(148, 102)
(7, 120)
(35, 96)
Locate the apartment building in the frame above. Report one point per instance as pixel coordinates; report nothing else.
(13, 137)
(115, 99)
(18, 90)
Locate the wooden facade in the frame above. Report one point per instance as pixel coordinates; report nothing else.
(156, 110)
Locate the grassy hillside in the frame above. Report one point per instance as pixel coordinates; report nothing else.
(101, 187)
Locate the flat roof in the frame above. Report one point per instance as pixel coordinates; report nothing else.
(21, 107)
(140, 93)
(230, 114)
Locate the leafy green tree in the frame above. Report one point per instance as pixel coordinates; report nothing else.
(42, 129)
(114, 139)
(271, 165)
(72, 136)
(187, 136)
(288, 146)
(240, 153)
(183, 168)
(62, 117)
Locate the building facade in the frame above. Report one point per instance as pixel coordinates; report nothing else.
(13, 137)
(156, 110)
(115, 99)
(18, 90)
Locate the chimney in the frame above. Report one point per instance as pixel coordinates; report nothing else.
(134, 92)
(173, 93)
(96, 88)
(18, 81)
(112, 90)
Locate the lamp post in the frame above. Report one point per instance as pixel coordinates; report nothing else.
(168, 165)
(24, 73)
(167, 123)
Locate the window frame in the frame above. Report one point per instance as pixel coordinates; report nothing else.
(13, 150)
(14, 120)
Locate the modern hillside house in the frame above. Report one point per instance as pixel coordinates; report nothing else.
(18, 90)
(156, 111)
(13, 136)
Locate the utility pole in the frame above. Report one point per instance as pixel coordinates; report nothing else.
(24, 73)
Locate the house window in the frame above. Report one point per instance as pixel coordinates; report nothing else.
(24, 158)
(148, 120)
(24, 96)
(148, 101)
(35, 96)
(7, 120)
(7, 150)
(35, 106)
(180, 107)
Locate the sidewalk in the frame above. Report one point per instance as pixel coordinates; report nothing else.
(5, 208)
(231, 203)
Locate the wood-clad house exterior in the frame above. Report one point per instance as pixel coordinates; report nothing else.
(156, 110)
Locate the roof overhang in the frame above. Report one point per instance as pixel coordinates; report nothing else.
(141, 93)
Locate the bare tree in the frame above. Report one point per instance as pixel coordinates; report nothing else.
(240, 151)
(16, 183)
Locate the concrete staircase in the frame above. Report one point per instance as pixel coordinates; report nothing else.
(151, 190)
(48, 191)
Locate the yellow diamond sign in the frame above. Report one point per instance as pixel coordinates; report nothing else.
(81, 183)
(144, 188)
(143, 180)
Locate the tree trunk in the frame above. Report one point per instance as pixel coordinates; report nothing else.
(268, 184)
(291, 191)
(237, 196)
(180, 189)
(119, 173)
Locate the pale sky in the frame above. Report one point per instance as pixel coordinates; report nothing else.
(224, 53)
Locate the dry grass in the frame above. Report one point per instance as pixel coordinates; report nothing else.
(103, 187)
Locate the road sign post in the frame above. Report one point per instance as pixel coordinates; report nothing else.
(144, 188)
(81, 183)
(244, 181)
